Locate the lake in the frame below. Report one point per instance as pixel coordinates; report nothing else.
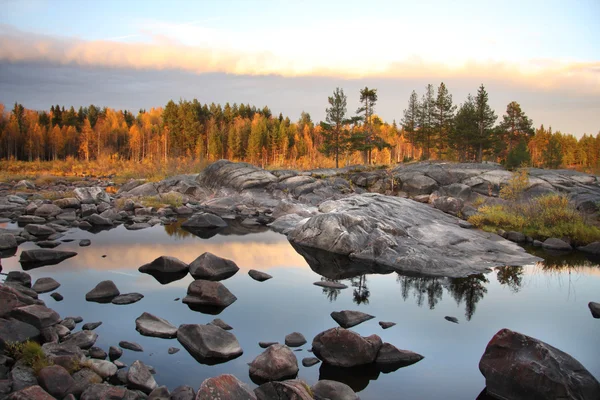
(547, 301)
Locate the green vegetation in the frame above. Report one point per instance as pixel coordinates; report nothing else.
(30, 353)
(169, 199)
(541, 218)
(516, 186)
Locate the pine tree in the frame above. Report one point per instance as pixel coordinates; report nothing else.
(464, 133)
(335, 136)
(364, 141)
(426, 120)
(515, 128)
(485, 121)
(410, 120)
(552, 154)
(443, 116)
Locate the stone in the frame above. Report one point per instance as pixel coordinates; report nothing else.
(276, 363)
(333, 390)
(390, 358)
(516, 366)
(451, 319)
(11, 299)
(85, 242)
(36, 315)
(30, 219)
(212, 268)
(97, 353)
(61, 330)
(97, 220)
(67, 202)
(295, 339)
(516, 237)
(68, 323)
(7, 241)
(88, 209)
(209, 344)
(204, 221)
(237, 176)
(33, 392)
(48, 244)
(164, 264)
(208, 293)
(64, 354)
(265, 345)
(47, 211)
(183, 393)
(128, 298)
(449, 205)
(104, 292)
(20, 277)
(26, 295)
(386, 325)
(330, 285)
(40, 257)
(104, 369)
(595, 309)
(45, 285)
(592, 248)
(173, 350)
(348, 319)
(310, 361)
(140, 378)
(259, 276)
(137, 226)
(104, 391)
(82, 339)
(55, 380)
(419, 184)
(160, 393)
(11, 198)
(224, 387)
(90, 195)
(114, 353)
(15, 331)
(221, 324)
(151, 325)
(22, 376)
(556, 245)
(130, 346)
(90, 326)
(287, 390)
(344, 348)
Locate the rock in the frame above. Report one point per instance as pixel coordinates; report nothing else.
(77, 319)
(208, 293)
(30, 219)
(40, 257)
(64, 354)
(449, 205)
(139, 377)
(130, 346)
(276, 363)
(11, 299)
(97, 353)
(85, 242)
(595, 309)
(67, 202)
(82, 339)
(390, 358)
(128, 298)
(221, 324)
(48, 244)
(396, 234)
(344, 348)
(85, 225)
(45, 285)
(208, 344)
(24, 294)
(7, 241)
(68, 323)
(36, 315)
(104, 369)
(310, 361)
(88, 209)
(183, 393)
(151, 325)
(97, 220)
(265, 345)
(15, 331)
(516, 237)
(237, 176)
(348, 319)
(173, 350)
(34, 392)
(287, 390)
(295, 339)
(556, 245)
(330, 285)
(47, 211)
(164, 264)
(20, 277)
(419, 184)
(22, 376)
(537, 243)
(160, 393)
(386, 325)
(212, 268)
(516, 366)
(137, 226)
(333, 390)
(11, 198)
(451, 319)
(592, 248)
(224, 387)
(90, 195)
(90, 326)
(104, 292)
(114, 353)
(61, 330)
(55, 380)
(259, 276)
(204, 221)
(24, 184)
(104, 391)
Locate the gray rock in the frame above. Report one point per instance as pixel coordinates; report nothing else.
(183, 393)
(24, 184)
(30, 219)
(151, 325)
(224, 387)
(221, 324)
(173, 350)
(295, 339)
(11, 198)
(592, 248)
(97, 353)
(64, 354)
(20, 277)
(45, 285)
(164, 264)
(160, 393)
(208, 343)
(386, 325)
(104, 292)
(85, 242)
(292, 389)
(139, 377)
(36, 315)
(68, 323)
(22, 376)
(55, 380)
(128, 298)
(276, 363)
(516, 237)
(61, 330)
(40, 257)
(348, 319)
(344, 348)
(67, 202)
(213, 268)
(88, 209)
(237, 176)
(48, 244)
(333, 390)
(105, 391)
(595, 309)
(130, 346)
(556, 245)
(265, 345)
(104, 369)
(7, 241)
(90, 195)
(390, 358)
(310, 361)
(82, 339)
(259, 276)
(90, 326)
(47, 211)
(137, 226)
(114, 353)
(204, 221)
(208, 293)
(15, 331)
(419, 184)
(449, 205)
(97, 220)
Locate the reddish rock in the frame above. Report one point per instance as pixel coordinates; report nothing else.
(208, 293)
(30, 393)
(344, 348)
(276, 363)
(55, 380)
(224, 387)
(287, 390)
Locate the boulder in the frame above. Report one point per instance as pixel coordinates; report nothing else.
(34, 392)
(39, 257)
(208, 293)
(237, 176)
(295, 339)
(164, 264)
(131, 346)
(592, 248)
(7, 241)
(82, 339)
(595, 309)
(104, 369)
(36, 315)
(55, 380)
(333, 390)
(90, 195)
(97, 220)
(221, 324)
(287, 390)
(449, 205)
(344, 348)
(128, 298)
(224, 387)
(173, 350)
(348, 319)
(64, 354)
(15, 331)
(45, 285)
(114, 353)
(151, 325)
(20, 277)
(310, 361)
(390, 358)
(22, 376)
(183, 393)
(48, 244)
(419, 184)
(259, 276)
(451, 319)
(209, 344)
(556, 245)
(516, 366)
(30, 219)
(212, 268)
(57, 296)
(11, 299)
(90, 326)
(386, 325)
(160, 393)
(204, 221)
(47, 211)
(104, 391)
(88, 209)
(516, 237)
(104, 292)
(276, 363)
(97, 353)
(140, 378)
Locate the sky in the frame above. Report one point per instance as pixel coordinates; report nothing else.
(291, 55)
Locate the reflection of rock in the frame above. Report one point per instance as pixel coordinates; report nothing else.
(517, 366)
(204, 225)
(165, 278)
(357, 378)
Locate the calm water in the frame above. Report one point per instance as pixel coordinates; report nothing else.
(546, 301)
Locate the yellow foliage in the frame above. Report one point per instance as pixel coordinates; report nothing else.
(516, 186)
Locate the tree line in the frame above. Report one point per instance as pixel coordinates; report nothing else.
(431, 127)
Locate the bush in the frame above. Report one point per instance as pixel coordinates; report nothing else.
(516, 186)
(31, 353)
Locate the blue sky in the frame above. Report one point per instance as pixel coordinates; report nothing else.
(533, 47)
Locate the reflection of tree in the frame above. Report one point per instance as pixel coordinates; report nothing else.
(421, 286)
(510, 276)
(361, 292)
(175, 230)
(470, 289)
(331, 293)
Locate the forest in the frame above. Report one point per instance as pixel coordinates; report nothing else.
(431, 127)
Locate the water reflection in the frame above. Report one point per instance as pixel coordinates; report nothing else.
(421, 288)
(470, 290)
(329, 292)
(512, 277)
(361, 292)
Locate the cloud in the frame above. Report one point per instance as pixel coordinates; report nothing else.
(211, 50)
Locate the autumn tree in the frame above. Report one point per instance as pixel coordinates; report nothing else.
(552, 154)
(334, 132)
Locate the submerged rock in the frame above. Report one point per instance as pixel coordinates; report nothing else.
(348, 319)
(209, 344)
(276, 363)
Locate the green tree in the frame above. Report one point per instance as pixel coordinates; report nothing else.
(464, 133)
(485, 121)
(515, 128)
(426, 120)
(552, 154)
(365, 142)
(443, 116)
(410, 120)
(335, 136)
(518, 157)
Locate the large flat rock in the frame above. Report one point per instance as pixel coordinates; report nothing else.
(237, 176)
(209, 344)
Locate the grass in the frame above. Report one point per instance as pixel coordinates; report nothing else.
(541, 218)
(169, 199)
(30, 353)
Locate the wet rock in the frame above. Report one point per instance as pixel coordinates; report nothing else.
(114, 353)
(90, 195)
(45, 285)
(128, 298)
(592, 248)
(160, 393)
(20, 277)
(68, 323)
(90, 326)
(295, 339)
(48, 244)
(286, 390)
(104, 292)
(221, 324)
(104, 369)
(140, 378)
(97, 220)
(225, 387)
(173, 350)
(55, 380)
(330, 285)
(208, 293)
(36, 315)
(82, 339)
(33, 392)
(164, 264)
(7, 241)
(310, 361)
(97, 353)
(130, 346)
(265, 345)
(30, 219)
(47, 211)
(64, 354)
(259, 276)
(595, 309)
(333, 390)
(348, 319)
(344, 348)
(151, 325)
(276, 363)
(390, 358)
(14, 331)
(451, 319)
(208, 344)
(556, 245)
(85, 242)
(213, 268)
(386, 325)
(516, 366)
(183, 393)
(204, 221)
(39, 257)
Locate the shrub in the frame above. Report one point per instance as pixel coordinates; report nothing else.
(515, 186)
(31, 353)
